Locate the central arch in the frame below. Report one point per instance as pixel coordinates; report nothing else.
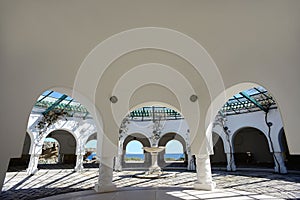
(100, 58)
(142, 38)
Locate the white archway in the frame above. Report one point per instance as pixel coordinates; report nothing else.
(169, 40)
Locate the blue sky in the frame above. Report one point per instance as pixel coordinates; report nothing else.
(55, 95)
(91, 144)
(174, 146)
(50, 140)
(135, 147)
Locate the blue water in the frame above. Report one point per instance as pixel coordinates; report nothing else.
(141, 156)
(90, 157)
(174, 155)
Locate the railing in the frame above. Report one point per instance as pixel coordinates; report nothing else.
(235, 105)
(154, 113)
(77, 110)
(238, 105)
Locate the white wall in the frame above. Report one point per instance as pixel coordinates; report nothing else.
(44, 43)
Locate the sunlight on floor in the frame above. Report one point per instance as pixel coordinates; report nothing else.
(217, 194)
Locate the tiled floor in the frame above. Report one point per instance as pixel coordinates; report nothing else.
(233, 185)
(165, 194)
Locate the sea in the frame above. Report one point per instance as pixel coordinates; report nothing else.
(169, 155)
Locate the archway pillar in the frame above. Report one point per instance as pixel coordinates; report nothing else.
(80, 151)
(118, 163)
(191, 164)
(79, 163)
(279, 163)
(33, 163)
(35, 152)
(204, 176)
(230, 162)
(105, 176)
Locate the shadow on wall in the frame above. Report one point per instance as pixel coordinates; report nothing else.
(292, 162)
(19, 164)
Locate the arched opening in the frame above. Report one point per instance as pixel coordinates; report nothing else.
(159, 125)
(292, 161)
(17, 164)
(90, 151)
(54, 115)
(134, 152)
(251, 148)
(67, 147)
(50, 152)
(250, 106)
(175, 154)
(219, 156)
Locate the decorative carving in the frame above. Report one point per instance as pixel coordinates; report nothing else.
(50, 118)
(157, 127)
(124, 127)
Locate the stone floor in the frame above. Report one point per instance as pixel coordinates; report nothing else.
(46, 183)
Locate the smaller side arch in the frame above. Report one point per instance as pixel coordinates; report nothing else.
(67, 146)
(144, 140)
(167, 137)
(251, 148)
(219, 156)
(237, 130)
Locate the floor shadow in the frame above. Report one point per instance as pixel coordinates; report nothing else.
(56, 166)
(35, 193)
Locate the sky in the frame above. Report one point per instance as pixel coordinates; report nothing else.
(172, 147)
(91, 144)
(50, 140)
(135, 147)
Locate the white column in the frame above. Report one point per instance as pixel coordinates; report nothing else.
(118, 163)
(79, 163)
(278, 157)
(191, 165)
(204, 177)
(33, 163)
(105, 175)
(230, 162)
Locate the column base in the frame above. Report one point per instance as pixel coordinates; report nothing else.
(78, 169)
(105, 188)
(231, 169)
(205, 186)
(155, 170)
(31, 171)
(283, 170)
